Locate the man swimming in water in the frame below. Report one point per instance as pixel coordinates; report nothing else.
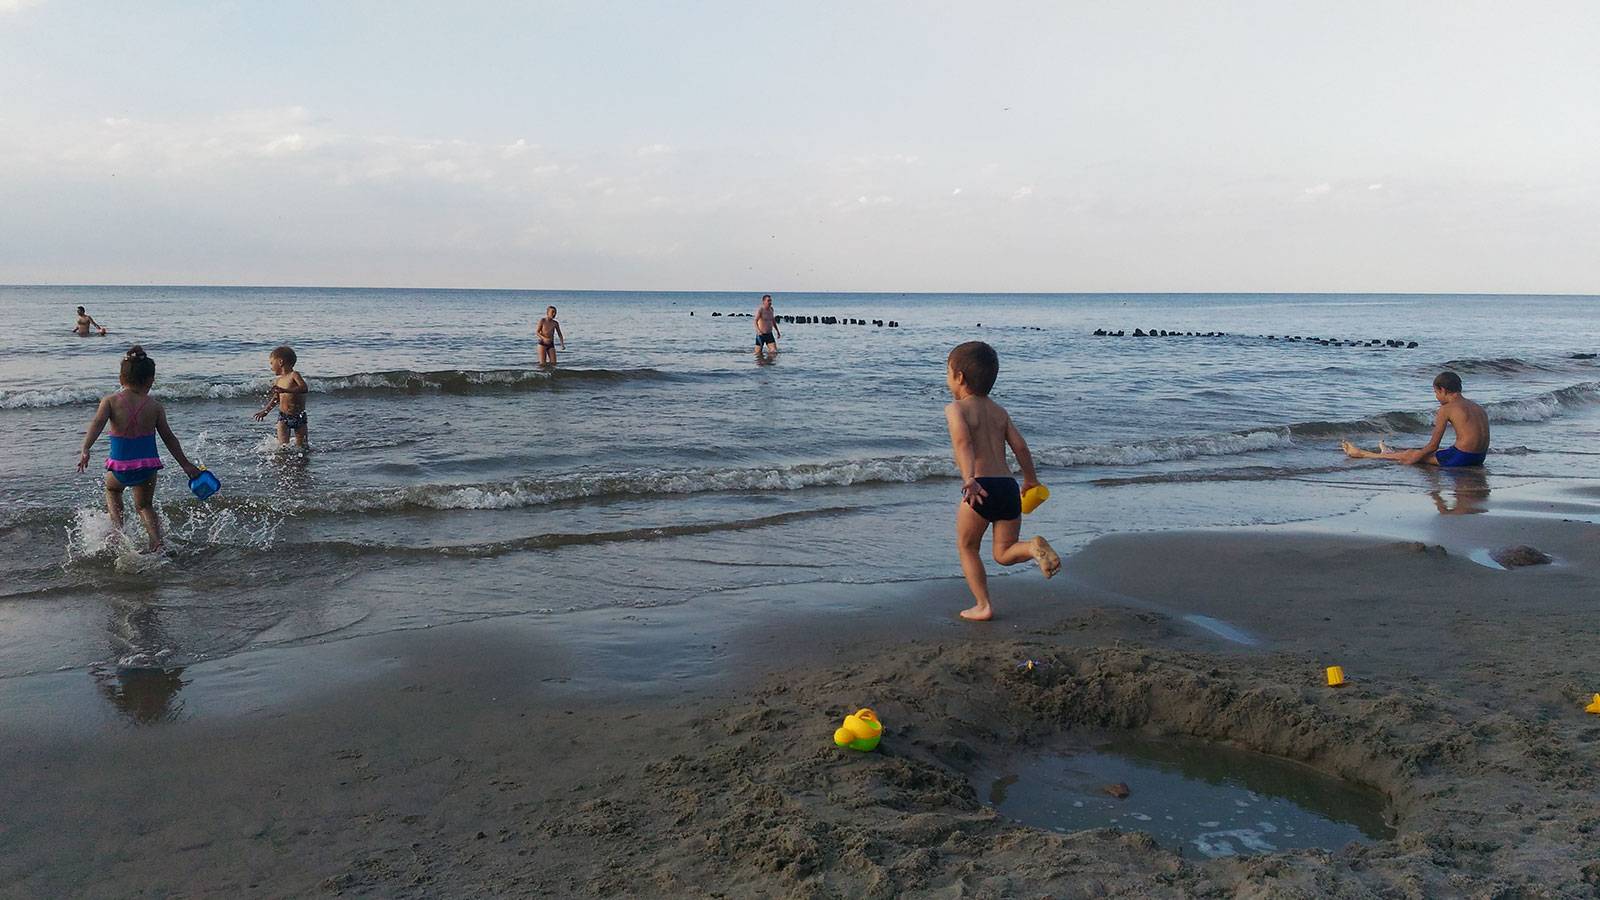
(767, 332)
(85, 324)
(1470, 422)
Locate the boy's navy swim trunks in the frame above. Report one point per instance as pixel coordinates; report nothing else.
(1004, 500)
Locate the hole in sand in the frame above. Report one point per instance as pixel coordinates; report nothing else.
(1194, 797)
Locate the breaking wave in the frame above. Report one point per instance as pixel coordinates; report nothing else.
(1537, 408)
(399, 381)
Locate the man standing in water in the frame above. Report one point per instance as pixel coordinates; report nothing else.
(767, 332)
(548, 332)
(85, 323)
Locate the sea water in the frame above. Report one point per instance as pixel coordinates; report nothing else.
(451, 478)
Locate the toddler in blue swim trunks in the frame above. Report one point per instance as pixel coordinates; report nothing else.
(288, 394)
(135, 419)
(1470, 422)
(980, 430)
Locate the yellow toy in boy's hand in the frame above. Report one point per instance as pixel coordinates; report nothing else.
(860, 732)
(1033, 497)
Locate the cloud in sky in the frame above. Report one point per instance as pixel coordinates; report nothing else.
(493, 150)
(13, 6)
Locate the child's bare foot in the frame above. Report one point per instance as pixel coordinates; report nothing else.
(980, 613)
(1383, 447)
(1049, 562)
(1350, 450)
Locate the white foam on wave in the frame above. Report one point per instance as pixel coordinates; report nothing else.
(902, 469)
(92, 537)
(1543, 407)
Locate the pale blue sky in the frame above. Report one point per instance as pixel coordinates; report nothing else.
(1051, 146)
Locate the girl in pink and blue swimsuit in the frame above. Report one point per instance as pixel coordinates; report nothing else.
(134, 419)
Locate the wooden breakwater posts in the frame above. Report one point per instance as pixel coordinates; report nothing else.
(1381, 343)
(813, 320)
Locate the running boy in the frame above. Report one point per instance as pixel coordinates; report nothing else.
(1470, 422)
(980, 429)
(549, 331)
(135, 419)
(289, 395)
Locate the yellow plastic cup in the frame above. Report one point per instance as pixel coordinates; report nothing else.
(1335, 676)
(1033, 497)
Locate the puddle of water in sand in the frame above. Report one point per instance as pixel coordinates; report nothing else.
(1481, 556)
(1222, 629)
(1197, 798)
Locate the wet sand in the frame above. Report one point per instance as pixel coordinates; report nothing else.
(686, 751)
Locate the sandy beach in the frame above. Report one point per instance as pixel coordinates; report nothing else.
(678, 752)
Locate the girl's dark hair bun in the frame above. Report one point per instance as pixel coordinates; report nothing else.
(136, 352)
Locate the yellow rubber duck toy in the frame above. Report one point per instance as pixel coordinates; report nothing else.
(860, 732)
(1594, 706)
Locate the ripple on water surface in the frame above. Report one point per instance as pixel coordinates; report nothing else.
(1193, 797)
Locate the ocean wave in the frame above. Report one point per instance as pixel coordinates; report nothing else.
(399, 381)
(1542, 407)
(1537, 408)
(528, 492)
(1499, 365)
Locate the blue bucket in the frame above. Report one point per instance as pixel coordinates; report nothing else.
(205, 484)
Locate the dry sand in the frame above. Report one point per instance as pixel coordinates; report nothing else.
(688, 753)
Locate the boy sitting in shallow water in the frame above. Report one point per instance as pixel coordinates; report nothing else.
(1468, 419)
(289, 395)
(980, 429)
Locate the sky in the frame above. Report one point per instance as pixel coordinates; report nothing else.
(778, 146)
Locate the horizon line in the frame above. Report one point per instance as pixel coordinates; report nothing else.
(504, 290)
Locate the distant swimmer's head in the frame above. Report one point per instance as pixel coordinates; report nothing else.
(974, 366)
(766, 299)
(550, 312)
(80, 310)
(1446, 384)
(138, 370)
(281, 359)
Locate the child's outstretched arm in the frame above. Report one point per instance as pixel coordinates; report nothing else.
(102, 415)
(272, 400)
(966, 456)
(1024, 456)
(173, 447)
(562, 337)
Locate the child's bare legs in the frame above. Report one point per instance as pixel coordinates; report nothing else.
(114, 500)
(144, 496)
(302, 436)
(283, 434)
(1008, 551)
(144, 500)
(969, 543)
(1410, 457)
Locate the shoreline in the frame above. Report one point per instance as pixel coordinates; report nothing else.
(686, 751)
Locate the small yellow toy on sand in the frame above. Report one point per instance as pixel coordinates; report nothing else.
(1594, 705)
(1033, 497)
(860, 732)
(1335, 676)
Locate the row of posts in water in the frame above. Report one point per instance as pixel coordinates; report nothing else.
(814, 320)
(1323, 342)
